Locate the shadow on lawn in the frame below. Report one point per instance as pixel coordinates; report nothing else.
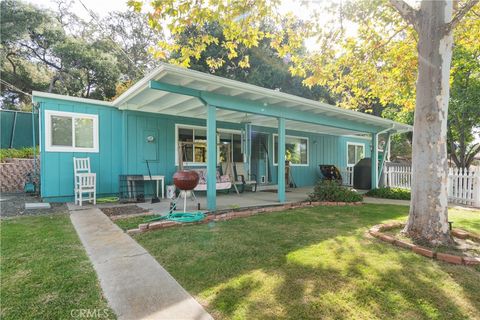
(311, 263)
(408, 288)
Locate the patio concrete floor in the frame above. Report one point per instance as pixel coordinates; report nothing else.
(224, 201)
(135, 285)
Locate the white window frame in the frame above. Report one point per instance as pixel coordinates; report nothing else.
(74, 115)
(275, 163)
(355, 144)
(188, 126)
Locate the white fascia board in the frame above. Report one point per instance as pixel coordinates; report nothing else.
(70, 98)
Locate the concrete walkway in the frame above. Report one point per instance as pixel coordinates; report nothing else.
(407, 203)
(135, 285)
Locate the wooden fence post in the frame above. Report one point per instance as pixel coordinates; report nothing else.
(476, 189)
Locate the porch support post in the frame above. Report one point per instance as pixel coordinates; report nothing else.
(211, 157)
(374, 158)
(281, 160)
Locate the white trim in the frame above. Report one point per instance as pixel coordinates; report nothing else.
(353, 136)
(349, 143)
(188, 126)
(73, 99)
(74, 115)
(291, 164)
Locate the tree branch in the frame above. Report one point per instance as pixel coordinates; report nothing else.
(380, 45)
(460, 14)
(474, 150)
(407, 12)
(41, 57)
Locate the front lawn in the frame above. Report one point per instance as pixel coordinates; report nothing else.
(45, 272)
(315, 263)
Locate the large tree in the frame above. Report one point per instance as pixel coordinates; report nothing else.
(266, 68)
(67, 64)
(434, 22)
(432, 27)
(58, 52)
(374, 69)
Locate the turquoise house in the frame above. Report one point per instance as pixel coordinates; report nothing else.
(173, 105)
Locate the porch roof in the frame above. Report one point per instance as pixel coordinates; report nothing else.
(182, 92)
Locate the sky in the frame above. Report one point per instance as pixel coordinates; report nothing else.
(100, 7)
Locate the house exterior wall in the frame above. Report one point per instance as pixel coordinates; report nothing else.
(123, 148)
(56, 168)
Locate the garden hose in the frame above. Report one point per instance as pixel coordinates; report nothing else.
(107, 200)
(183, 217)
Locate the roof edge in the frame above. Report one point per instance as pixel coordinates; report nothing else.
(198, 75)
(41, 94)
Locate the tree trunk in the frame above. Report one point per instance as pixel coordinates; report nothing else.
(428, 219)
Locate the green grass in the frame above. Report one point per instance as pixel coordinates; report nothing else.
(315, 263)
(45, 272)
(132, 223)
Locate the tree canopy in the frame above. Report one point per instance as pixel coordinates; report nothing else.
(371, 70)
(58, 52)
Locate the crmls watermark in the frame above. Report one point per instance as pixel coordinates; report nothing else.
(89, 313)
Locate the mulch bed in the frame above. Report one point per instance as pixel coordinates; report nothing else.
(123, 210)
(465, 251)
(462, 246)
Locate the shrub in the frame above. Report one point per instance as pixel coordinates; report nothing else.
(390, 193)
(23, 153)
(329, 190)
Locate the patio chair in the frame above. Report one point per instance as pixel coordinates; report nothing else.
(85, 186)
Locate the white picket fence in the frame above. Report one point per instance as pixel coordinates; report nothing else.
(347, 176)
(463, 185)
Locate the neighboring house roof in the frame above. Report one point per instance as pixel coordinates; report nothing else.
(140, 97)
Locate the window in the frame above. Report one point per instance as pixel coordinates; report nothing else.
(71, 132)
(296, 150)
(355, 152)
(196, 153)
(235, 141)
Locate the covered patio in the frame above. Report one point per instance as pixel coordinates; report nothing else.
(230, 201)
(175, 91)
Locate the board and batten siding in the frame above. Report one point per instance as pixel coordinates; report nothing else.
(161, 153)
(57, 167)
(123, 149)
(323, 149)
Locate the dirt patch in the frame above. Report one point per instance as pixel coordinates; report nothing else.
(466, 247)
(13, 204)
(465, 250)
(123, 210)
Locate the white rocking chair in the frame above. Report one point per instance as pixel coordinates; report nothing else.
(85, 181)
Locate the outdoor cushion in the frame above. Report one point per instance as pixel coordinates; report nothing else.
(222, 181)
